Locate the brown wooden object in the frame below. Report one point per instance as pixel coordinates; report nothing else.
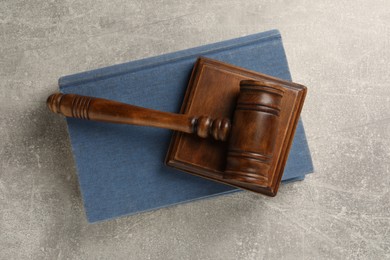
(103, 110)
(264, 111)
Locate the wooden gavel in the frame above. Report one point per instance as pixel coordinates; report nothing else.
(251, 134)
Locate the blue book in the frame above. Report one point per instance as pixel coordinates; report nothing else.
(121, 168)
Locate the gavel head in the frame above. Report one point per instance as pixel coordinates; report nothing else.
(254, 132)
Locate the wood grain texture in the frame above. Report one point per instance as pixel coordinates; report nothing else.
(103, 110)
(264, 133)
(255, 129)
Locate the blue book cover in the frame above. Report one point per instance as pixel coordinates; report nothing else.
(121, 168)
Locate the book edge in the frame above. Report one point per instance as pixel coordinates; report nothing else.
(136, 65)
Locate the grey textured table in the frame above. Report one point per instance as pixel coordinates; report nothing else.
(339, 49)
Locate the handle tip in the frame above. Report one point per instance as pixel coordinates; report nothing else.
(53, 102)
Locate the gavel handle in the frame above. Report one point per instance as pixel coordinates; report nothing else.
(103, 110)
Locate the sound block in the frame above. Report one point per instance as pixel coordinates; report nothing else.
(213, 90)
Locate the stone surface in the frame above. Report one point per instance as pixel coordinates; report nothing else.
(339, 49)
